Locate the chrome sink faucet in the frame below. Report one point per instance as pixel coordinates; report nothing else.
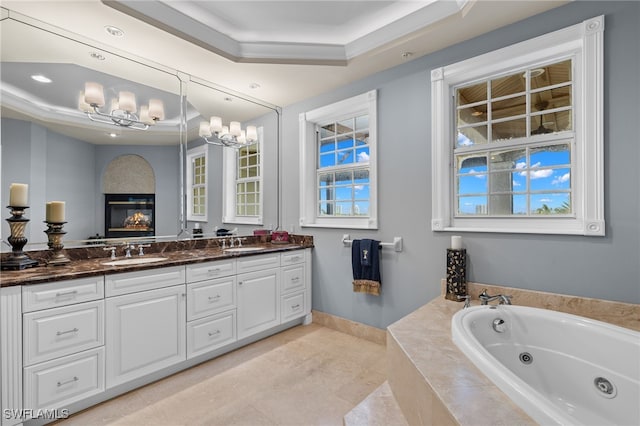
(485, 298)
(127, 249)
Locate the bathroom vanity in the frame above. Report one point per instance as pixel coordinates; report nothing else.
(70, 343)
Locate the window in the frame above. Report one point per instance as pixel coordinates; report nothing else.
(197, 184)
(521, 147)
(242, 193)
(338, 164)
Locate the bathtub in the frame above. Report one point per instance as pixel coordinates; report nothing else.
(559, 368)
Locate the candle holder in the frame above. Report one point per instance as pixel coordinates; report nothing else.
(55, 233)
(17, 223)
(456, 274)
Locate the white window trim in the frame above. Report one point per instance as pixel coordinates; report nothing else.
(229, 173)
(365, 103)
(191, 154)
(585, 42)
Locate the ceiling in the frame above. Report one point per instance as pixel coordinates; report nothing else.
(279, 51)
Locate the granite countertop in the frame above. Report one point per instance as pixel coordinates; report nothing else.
(87, 262)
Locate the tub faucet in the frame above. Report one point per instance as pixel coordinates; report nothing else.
(485, 298)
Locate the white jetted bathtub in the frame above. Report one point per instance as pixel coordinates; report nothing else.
(559, 368)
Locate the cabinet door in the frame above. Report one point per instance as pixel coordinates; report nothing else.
(145, 333)
(258, 301)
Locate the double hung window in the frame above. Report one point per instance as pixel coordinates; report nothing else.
(517, 139)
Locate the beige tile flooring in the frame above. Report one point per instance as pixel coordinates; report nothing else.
(307, 375)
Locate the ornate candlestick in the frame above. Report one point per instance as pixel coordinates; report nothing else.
(55, 233)
(18, 260)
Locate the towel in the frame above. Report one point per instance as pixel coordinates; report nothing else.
(365, 263)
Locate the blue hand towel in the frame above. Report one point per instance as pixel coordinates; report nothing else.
(365, 263)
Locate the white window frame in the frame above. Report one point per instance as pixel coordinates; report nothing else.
(583, 42)
(365, 103)
(200, 151)
(229, 177)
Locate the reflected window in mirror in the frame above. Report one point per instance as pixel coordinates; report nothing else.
(243, 183)
(197, 162)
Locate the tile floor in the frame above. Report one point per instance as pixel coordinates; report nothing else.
(307, 375)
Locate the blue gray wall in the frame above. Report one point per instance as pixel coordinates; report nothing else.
(598, 267)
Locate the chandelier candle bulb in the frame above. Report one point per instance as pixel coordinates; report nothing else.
(156, 109)
(252, 133)
(55, 212)
(216, 124)
(94, 94)
(456, 242)
(127, 102)
(144, 115)
(205, 129)
(82, 104)
(234, 128)
(18, 195)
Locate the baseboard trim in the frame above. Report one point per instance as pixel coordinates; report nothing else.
(353, 328)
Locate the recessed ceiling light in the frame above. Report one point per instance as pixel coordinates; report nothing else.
(41, 78)
(228, 99)
(407, 55)
(113, 135)
(254, 86)
(98, 56)
(114, 31)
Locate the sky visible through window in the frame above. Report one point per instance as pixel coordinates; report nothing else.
(515, 181)
(343, 175)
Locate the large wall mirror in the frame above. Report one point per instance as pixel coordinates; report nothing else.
(67, 154)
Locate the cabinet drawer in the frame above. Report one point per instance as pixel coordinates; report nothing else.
(210, 297)
(63, 381)
(210, 333)
(61, 293)
(293, 306)
(148, 279)
(209, 270)
(293, 278)
(291, 258)
(258, 262)
(62, 331)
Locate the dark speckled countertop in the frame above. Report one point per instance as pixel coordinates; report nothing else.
(86, 262)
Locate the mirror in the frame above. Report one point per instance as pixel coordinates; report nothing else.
(50, 144)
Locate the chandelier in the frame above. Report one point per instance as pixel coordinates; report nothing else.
(122, 111)
(214, 133)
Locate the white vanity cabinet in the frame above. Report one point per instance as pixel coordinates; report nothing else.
(145, 330)
(258, 293)
(63, 342)
(294, 295)
(211, 306)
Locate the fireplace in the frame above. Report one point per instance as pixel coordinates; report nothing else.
(129, 215)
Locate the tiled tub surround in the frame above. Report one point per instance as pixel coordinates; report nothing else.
(88, 261)
(434, 383)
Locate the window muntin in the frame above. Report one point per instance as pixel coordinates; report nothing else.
(197, 184)
(342, 169)
(248, 188)
(531, 178)
(198, 188)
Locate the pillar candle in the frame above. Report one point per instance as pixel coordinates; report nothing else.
(18, 195)
(456, 242)
(55, 212)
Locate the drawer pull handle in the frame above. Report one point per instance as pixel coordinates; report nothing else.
(73, 330)
(75, 379)
(215, 333)
(213, 299)
(295, 279)
(213, 271)
(294, 258)
(294, 307)
(67, 293)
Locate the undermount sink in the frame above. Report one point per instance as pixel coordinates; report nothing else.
(242, 249)
(134, 261)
